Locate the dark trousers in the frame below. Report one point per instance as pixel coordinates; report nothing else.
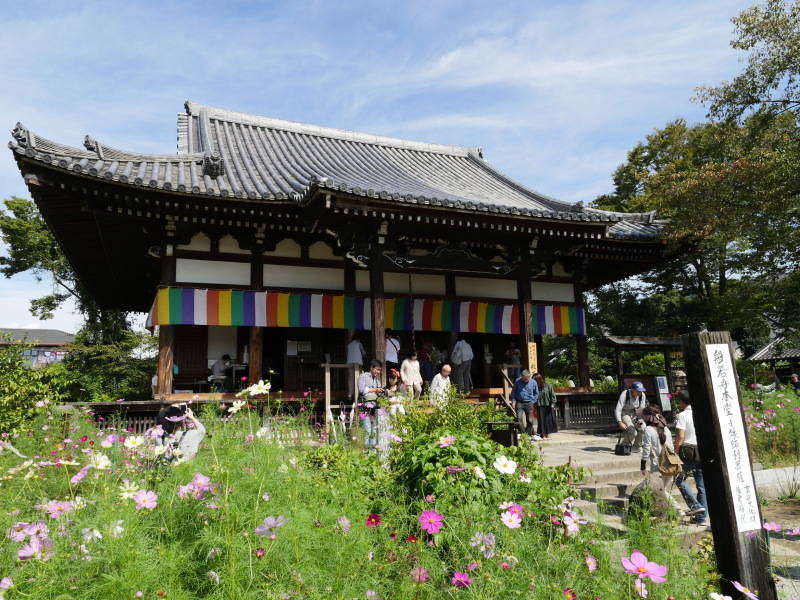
(525, 409)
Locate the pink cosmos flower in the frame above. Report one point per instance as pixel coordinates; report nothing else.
(591, 562)
(429, 498)
(38, 529)
(511, 520)
(461, 579)
(420, 575)
(504, 565)
(569, 594)
(56, 508)
(446, 440)
(744, 590)
(431, 521)
(271, 526)
(260, 552)
(638, 564)
(794, 531)
(36, 549)
(641, 589)
(6, 583)
(772, 527)
(373, 520)
(145, 499)
(16, 533)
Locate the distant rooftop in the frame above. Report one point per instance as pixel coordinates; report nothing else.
(777, 349)
(39, 337)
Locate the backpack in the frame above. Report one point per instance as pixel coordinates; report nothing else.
(669, 463)
(457, 357)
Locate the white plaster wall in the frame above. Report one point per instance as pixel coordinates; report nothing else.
(221, 340)
(303, 277)
(473, 287)
(198, 242)
(209, 271)
(552, 292)
(397, 283)
(229, 245)
(288, 248)
(362, 281)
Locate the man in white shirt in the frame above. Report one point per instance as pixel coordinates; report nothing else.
(686, 448)
(392, 352)
(355, 358)
(440, 386)
(462, 370)
(629, 402)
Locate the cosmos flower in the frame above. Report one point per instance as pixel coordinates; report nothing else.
(591, 562)
(145, 499)
(638, 564)
(505, 465)
(420, 574)
(461, 579)
(431, 521)
(373, 520)
(744, 590)
(271, 525)
(511, 520)
(446, 440)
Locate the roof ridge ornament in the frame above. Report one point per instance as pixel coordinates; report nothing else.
(213, 166)
(23, 135)
(92, 145)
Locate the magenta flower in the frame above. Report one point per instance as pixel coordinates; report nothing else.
(744, 590)
(373, 520)
(429, 498)
(145, 499)
(569, 594)
(638, 564)
(260, 552)
(591, 562)
(772, 527)
(420, 575)
(431, 521)
(461, 579)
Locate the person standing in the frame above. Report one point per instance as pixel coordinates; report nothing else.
(369, 387)
(355, 358)
(425, 352)
(513, 357)
(463, 351)
(397, 393)
(524, 395)
(411, 375)
(546, 423)
(686, 449)
(440, 386)
(795, 382)
(629, 402)
(392, 351)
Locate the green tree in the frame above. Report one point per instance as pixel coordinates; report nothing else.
(33, 249)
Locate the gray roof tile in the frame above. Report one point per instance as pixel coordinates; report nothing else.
(231, 154)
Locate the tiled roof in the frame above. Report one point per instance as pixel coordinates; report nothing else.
(230, 154)
(39, 337)
(777, 349)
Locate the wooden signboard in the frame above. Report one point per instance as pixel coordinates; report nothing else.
(533, 365)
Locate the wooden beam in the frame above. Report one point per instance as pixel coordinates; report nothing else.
(524, 302)
(166, 351)
(376, 297)
(255, 343)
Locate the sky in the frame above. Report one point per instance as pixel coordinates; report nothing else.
(556, 93)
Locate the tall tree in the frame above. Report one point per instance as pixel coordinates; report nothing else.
(33, 249)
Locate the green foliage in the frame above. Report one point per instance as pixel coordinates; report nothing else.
(108, 372)
(773, 426)
(650, 364)
(22, 387)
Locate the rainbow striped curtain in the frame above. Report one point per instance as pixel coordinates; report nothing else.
(192, 306)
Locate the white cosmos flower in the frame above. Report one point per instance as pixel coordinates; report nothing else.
(505, 465)
(524, 479)
(116, 530)
(100, 461)
(479, 472)
(128, 490)
(237, 406)
(259, 388)
(135, 441)
(90, 534)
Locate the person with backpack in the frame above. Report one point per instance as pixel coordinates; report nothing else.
(686, 447)
(629, 402)
(392, 352)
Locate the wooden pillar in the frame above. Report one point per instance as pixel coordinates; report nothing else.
(376, 297)
(166, 349)
(539, 339)
(620, 367)
(255, 343)
(525, 309)
(740, 542)
(582, 347)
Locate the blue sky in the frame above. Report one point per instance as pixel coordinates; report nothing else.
(555, 93)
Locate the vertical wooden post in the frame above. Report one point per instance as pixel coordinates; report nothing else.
(328, 398)
(539, 341)
(722, 441)
(582, 348)
(376, 297)
(620, 367)
(166, 349)
(524, 302)
(255, 341)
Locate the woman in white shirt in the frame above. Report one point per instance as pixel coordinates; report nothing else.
(411, 374)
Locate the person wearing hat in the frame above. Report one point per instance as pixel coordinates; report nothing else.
(630, 401)
(795, 381)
